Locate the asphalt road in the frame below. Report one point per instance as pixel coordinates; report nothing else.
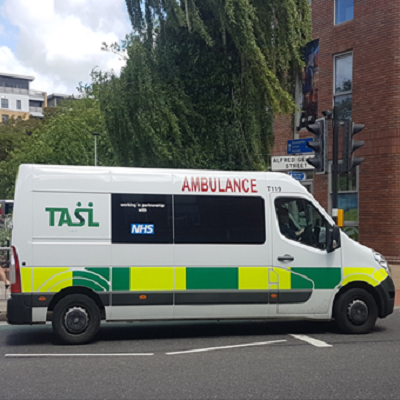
(213, 360)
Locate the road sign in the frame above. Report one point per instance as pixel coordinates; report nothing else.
(298, 146)
(299, 176)
(290, 163)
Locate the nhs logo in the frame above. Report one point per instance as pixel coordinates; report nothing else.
(142, 229)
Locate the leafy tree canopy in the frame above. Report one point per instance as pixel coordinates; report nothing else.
(203, 80)
(64, 136)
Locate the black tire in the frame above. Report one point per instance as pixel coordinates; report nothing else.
(355, 311)
(76, 319)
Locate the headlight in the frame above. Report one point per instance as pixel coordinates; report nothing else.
(382, 262)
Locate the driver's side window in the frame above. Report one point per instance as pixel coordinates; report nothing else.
(299, 220)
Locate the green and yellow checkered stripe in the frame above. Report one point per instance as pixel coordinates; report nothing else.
(117, 279)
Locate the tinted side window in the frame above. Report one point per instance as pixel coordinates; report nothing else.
(141, 218)
(219, 219)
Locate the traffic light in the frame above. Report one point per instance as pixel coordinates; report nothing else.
(350, 145)
(319, 145)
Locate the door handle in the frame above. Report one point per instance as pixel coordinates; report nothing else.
(286, 257)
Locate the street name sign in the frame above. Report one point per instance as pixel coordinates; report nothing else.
(289, 163)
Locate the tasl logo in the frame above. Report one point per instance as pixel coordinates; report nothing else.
(142, 229)
(64, 216)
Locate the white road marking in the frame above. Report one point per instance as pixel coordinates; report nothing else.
(314, 342)
(78, 355)
(226, 347)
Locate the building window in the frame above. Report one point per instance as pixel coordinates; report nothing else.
(344, 11)
(348, 189)
(18, 104)
(14, 83)
(4, 103)
(343, 85)
(4, 119)
(35, 103)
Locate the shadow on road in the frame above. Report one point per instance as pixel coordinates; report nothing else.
(30, 335)
(181, 330)
(192, 329)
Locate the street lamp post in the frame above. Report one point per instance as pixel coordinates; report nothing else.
(95, 134)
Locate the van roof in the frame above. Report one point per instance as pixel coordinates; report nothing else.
(45, 176)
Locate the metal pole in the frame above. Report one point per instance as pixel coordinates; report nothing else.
(335, 165)
(95, 150)
(95, 134)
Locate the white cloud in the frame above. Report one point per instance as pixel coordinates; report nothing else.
(60, 40)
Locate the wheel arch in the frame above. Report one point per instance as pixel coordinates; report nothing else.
(78, 290)
(362, 285)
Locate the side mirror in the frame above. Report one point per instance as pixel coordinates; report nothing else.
(332, 238)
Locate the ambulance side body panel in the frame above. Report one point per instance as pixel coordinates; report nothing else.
(64, 233)
(121, 233)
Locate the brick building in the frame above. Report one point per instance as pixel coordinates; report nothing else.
(357, 69)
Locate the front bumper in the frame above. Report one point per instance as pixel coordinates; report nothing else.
(19, 309)
(386, 292)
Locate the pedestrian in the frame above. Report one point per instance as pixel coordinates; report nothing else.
(2, 273)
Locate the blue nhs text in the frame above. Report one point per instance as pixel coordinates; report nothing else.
(142, 229)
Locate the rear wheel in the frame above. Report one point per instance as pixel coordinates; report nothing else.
(356, 311)
(76, 319)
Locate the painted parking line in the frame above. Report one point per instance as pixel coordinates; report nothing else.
(225, 347)
(78, 355)
(312, 341)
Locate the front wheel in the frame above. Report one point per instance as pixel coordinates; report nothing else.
(356, 311)
(76, 319)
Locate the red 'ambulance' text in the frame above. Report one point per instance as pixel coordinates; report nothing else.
(220, 186)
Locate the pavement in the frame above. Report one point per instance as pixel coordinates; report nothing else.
(5, 294)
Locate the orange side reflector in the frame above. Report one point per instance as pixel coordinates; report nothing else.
(42, 298)
(340, 218)
(274, 296)
(142, 297)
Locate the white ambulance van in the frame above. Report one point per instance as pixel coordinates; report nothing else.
(129, 244)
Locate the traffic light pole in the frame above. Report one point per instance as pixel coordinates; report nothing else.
(335, 165)
(320, 147)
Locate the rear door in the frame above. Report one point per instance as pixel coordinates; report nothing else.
(304, 276)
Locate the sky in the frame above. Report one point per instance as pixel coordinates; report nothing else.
(59, 41)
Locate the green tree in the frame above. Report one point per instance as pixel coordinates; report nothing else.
(203, 80)
(14, 133)
(65, 136)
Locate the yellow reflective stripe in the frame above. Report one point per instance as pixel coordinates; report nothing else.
(51, 279)
(284, 278)
(370, 275)
(383, 273)
(354, 270)
(64, 280)
(253, 278)
(380, 275)
(26, 280)
(360, 277)
(149, 278)
(180, 278)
